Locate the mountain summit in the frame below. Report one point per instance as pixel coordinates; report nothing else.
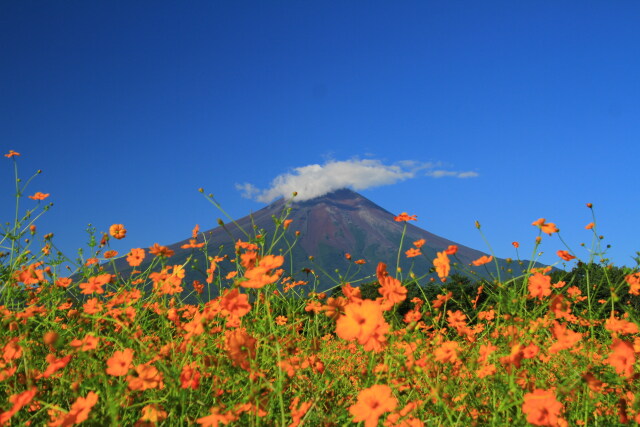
(331, 226)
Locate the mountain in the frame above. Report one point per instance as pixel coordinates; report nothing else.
(331, 226)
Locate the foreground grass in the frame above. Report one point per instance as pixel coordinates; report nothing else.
(98, 348)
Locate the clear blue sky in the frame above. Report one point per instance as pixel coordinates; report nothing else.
(130, 107)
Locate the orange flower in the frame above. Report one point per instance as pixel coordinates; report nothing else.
(19, 401)
(261, 275)
(542, 408)
(405, 217)
(286, 223)
(135, 257)
(215, 418)
(153, 414)
(235, 303)
(565, 255)
(360, 262)
(120, 363)
(482, 260)
(89, 342)
(10, 154)
(39, 196)
(55, 364)
(391, 289)
(95, 284)
(110, 254)
(622, 357)
(548, 228)
(419, 243)
(451, 250)
(441, 263)
(589, 226)
(566, 338)
(539, 286)
(192, 244)
(363, 321)
(240, 347)
(190, 377)
(79, 411)
(515, 244)
(372, 403)
(413, 252)
(158, 250)
(117, 231)
(148, 378)
(634, 283)
(447, 352)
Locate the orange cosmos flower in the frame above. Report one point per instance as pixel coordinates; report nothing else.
(261, 275)
(110, 254)
(451, 250)
(542, 408)
(372, 403)
(363, 321)
(240, 347)
(447, 352)
(153, 414)
(566, 338)
(360, 262)
(515, 244)
(117, 231)
(565, 255)
(158, 250)
(622, 357)
(419, 243)
(286, 223)
(634, 283)
(391, 290)
(441, 263)
(539, 286)
(482, 260)
(548, 228)
(235, 303)
(79, 411)
(135, 257)
(95, 284)
(55, 364)
(11, 153)
(148, 377)
(190, 376)
(39, 196)
(413, 252)
(405, 217)
(89, 342)
(589, 226)
(215, 418)
(120, 363)
(19, 401)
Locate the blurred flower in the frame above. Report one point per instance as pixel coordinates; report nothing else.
(11, 153)
(482, 260)
(565, 255)
(542, 408)
(39, 196)
(372, 403)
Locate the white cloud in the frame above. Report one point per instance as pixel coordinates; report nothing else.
(444, 173)
(316, 180)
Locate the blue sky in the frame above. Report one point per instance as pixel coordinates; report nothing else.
(129, 108)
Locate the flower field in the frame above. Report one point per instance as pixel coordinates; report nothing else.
(101, 348)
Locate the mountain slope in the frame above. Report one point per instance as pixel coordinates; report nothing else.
(331, 226)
